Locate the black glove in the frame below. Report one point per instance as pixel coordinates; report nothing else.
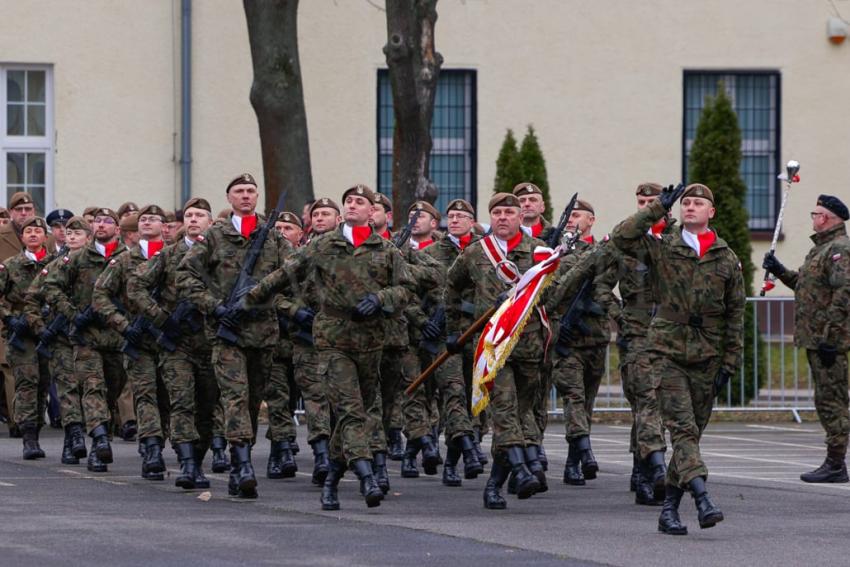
(773, 265)
(47, 335)
(133, 335)
(367, 307)
(229, 316)
(722, 378)
(18, 325)
(501, 298)
(452, 344)
(670, 195)
(304, 317)
(827, 354)
(431, 330)
(171, 328)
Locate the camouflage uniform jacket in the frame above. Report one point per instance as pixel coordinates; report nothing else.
(343, 275)
(111, 290)
(69, 288)
(822, 291)
(446, 252)
(211, 268)
(425, 270)
(36, 309)
(602, 268)
(16, 275)
(474, 271)
(701, 300)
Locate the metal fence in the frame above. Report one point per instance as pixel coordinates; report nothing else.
(779, 377)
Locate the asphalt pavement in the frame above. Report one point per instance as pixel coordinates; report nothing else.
(61, 514)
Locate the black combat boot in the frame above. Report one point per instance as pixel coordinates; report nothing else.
(321, 461)
(32, 450)
(472, 467)
(242, 471)
(498, 474)
(281, 462)
(153, 465)
(833, 469)
(408, 461)
(572, 468)
(435, 435)
(219, 456)
(396, 448)
(78, 440)
(294, 446)
(100, 444)
(526, 483)
(330, 498)
(707, 513)
(188, 466)
(476, 439)
(645, 492)
(589, 466)
(635, 477)
(68, 457)
(669, 522)
(656, 473)
(201, 480)
(450, 476)
(544, 460)
(94, 464)
(128, 431)
(430, 454)
(368, 487)
(532, 459)
(379, 470)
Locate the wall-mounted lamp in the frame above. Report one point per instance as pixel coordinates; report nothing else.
(836, 30)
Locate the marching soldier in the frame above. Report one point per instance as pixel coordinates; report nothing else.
(206, 275)
(129, 226)
(196, 414)
(533, 206)
(516, 437)
(696, 336)
(422, 231)
(98, 362)
(53, 336)
(113, 306)
(30, 370)
(821, 313)
(127, 209)
(358, 277)
(56, 220)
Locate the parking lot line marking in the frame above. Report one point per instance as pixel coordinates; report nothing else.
(6, 483)
(761, 441)
(777, 428)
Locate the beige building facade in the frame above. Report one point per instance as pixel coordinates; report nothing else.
(92, 97)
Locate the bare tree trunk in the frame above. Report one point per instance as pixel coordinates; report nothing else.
(414, 66)
(278, 100)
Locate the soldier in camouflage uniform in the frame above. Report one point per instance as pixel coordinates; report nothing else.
(113, 306)
(696, 336)
(30, 370)
(516, 437)
(54, 336)
(196, 413)
(358, 277)
(206, 276)
(578, 359)
(98, 363)
(821, 314)
(646, 441)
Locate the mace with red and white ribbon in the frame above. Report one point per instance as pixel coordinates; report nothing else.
(791, 175)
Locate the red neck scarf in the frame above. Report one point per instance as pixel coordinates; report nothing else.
(464, 240)
(706, 239)
(248, 225)
(41, 253)
(360, 233)
(423, 244)
(515, 239)
(154, 246)
(109, 248)
(537, 229)
(386, 234)
(589, 239)
(659, 227)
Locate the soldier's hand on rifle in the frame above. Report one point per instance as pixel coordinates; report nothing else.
(827, 354)
(670, 195)
(722, 378)
(367, 307)
(304, 317)
(452, 344)
(772, 264)
(82, 319)
(18, 325)
(431, 330)
(229, 316)
(133, 335)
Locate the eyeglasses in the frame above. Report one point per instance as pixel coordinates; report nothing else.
(104, 220)
(815, 214)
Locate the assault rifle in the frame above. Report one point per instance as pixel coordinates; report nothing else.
(558, 231)
(81, 323)
(403, 235)
(58, 326)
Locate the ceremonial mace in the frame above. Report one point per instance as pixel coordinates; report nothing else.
(790, 176)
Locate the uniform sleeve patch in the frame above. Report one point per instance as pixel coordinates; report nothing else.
(200, 238)
(2, 266)
(66, 259)
(44, 271)
(112, 262)
(836, 257)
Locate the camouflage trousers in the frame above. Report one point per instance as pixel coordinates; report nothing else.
(395, 362)
(451, 392)
(353, 382)
(577, 378)
(400, 367)
(482, 420)
(242, 375)
(314, 391)
(831, 400)
(196, 413)
(68, 387)
(640, 387)
(281, 424)
(102, 376)
(686, 394)
(511, 402)
(150, 396)
(32, 379)
(541, 400)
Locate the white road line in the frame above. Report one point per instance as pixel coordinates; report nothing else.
(761, 441)
(797, 482)
(777, 428)
(6, 484)
(90, 477)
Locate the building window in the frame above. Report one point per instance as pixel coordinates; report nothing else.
(453, 132)
(755, 97)
(26, 133)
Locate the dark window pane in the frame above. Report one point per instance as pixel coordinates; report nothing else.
(35, 86)
(35, 120)
(15, 86)
(35, 169)
(15, 119)
(15, 169)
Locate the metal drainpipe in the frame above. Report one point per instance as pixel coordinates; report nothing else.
(186, 101)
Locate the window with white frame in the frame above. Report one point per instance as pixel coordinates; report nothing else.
(26, 133)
